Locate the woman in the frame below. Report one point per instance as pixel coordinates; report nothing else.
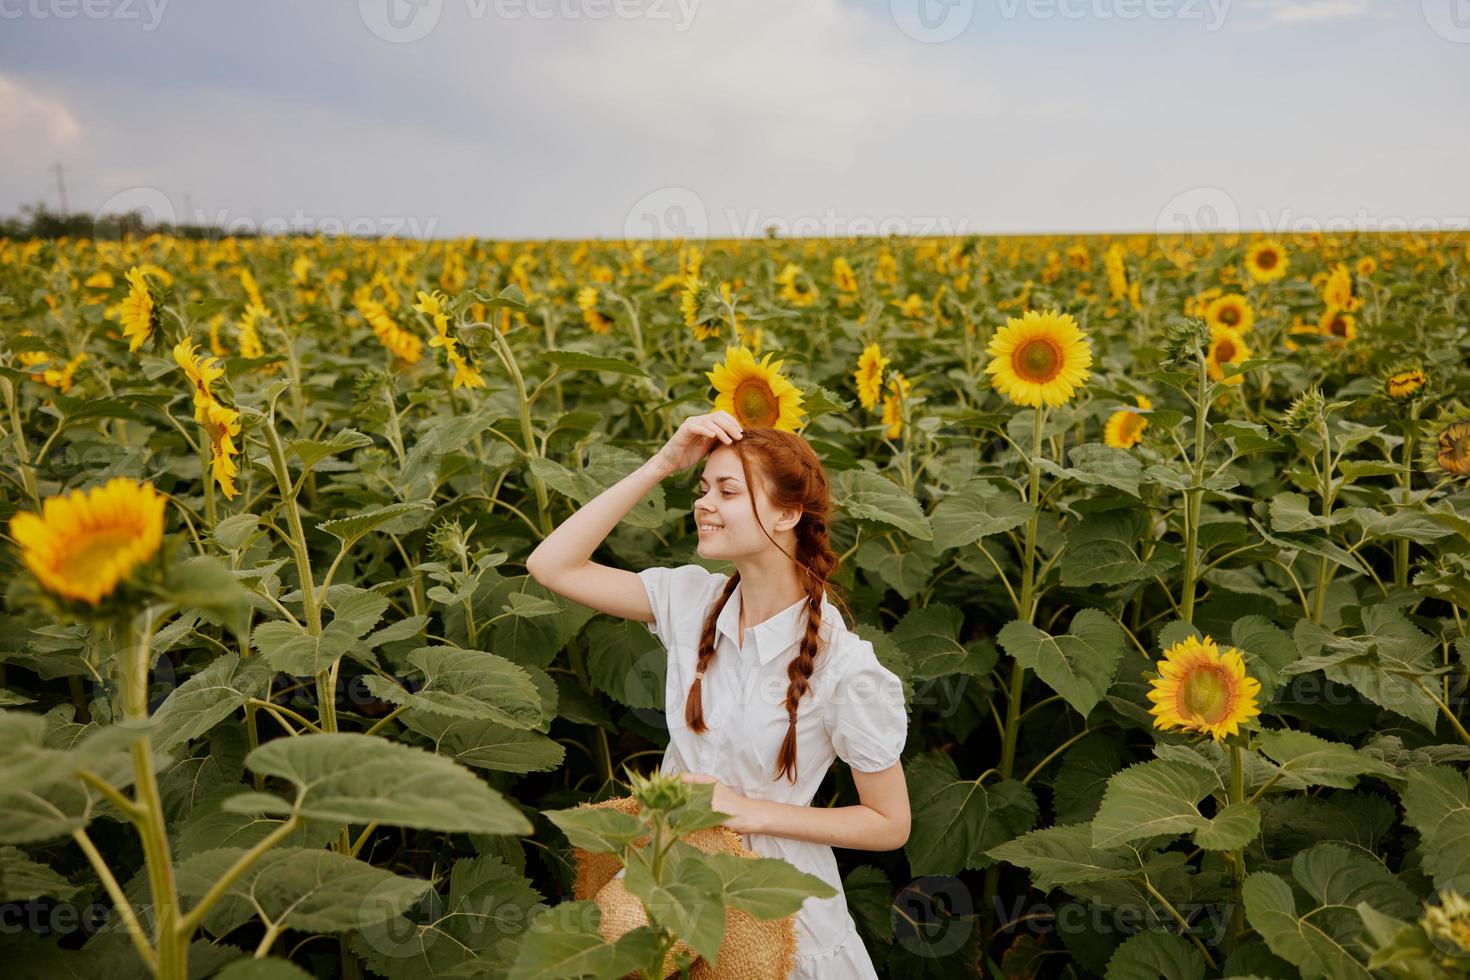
(766, 686)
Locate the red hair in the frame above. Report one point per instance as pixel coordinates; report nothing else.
(793, 478)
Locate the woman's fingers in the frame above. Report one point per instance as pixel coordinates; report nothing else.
(715, 432)
(728, 423)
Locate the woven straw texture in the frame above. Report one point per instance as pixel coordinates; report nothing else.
(753, 949)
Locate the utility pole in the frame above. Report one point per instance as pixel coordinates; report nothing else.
(61, 189)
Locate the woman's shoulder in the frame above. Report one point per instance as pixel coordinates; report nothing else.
(678, 596)
(846, 650)
(683, 579)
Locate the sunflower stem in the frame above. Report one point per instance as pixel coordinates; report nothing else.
(1324, 575)
(22, 450)
(1406, 481)
(1237, 856)
(171, 955)
(1026, 612)
(528, 434)
(1194, 496)
(297, 540)
(1183, 922)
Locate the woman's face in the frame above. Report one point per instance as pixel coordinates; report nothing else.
(722, 513)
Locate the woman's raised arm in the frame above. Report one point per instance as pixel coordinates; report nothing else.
(562, 562)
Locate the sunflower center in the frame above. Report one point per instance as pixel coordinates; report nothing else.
(1339, 327)
(1266, 260)
(1038, 360)
(756, 404)
(1230, 316)
(1207, 694)
(1225, 351)
(95, 552)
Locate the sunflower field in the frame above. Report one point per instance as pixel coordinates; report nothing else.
(1168, 539)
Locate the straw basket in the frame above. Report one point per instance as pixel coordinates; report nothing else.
(753, 949)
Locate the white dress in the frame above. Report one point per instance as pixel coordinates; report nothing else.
(854, 710)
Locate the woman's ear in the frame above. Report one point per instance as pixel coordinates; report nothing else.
(789, 519)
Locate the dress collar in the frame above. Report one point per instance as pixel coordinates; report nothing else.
(777, 634)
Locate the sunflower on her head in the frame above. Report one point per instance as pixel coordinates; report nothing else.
(757, 394)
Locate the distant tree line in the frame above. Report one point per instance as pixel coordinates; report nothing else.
(39, 220)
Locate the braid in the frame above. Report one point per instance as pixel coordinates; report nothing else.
(694, 704)
(816, 558)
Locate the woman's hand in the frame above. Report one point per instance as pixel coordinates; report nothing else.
(742, 819)
(697, 435)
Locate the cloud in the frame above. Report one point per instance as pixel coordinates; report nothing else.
(32, 122)
(813, 115)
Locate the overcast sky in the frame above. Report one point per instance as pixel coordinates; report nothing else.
(571, 118)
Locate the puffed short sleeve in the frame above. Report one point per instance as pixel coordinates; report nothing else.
(865, 712)
(675, 594)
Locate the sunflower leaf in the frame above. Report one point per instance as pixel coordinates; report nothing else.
(868, 496)
(348, 778)
(1079, 665)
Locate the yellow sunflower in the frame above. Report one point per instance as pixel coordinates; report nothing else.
(1226, 347)
(1197, 304)
(216, 346)
(1338, 325)
(1231, 311)
(139, 311)
(1039, 358)
(587, 303)
(1117, 271)
(201, 373)
(1454, 449)
(887, 271)
(249, 329)
(223, 423)
(912, 307)
(1404, 384)
(403, 345)
(898, 391)
(432, 306)
(869, 375)
(60, 377)
(1266, 260)
(689, 302)
(83, 544)
(1367, 265)
(1201, 688)
(1125, 427)
(756, 394)
(1337, 289)
(842, 275)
